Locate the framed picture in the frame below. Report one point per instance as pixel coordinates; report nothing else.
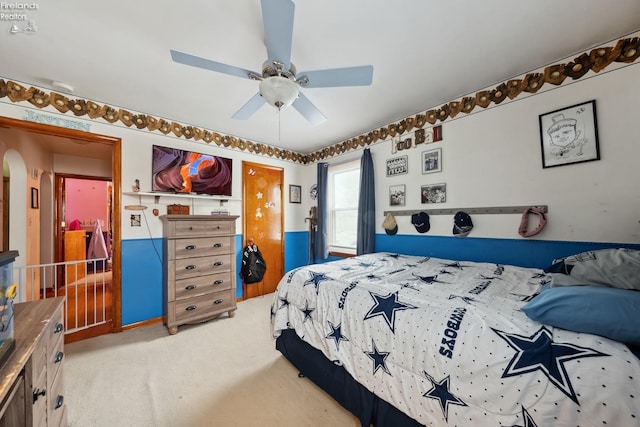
(295, 192)
(397, 195)
(35, 199)
(569, 135)
(432, 161)
(397, 166)
(433, 193)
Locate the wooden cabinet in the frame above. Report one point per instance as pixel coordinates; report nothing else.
(32, 378)
(199, 268)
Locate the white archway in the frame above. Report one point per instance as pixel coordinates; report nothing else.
(17, 213)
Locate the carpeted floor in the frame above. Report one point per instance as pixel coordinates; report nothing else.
(224, 372)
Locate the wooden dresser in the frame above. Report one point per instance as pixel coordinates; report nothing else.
(32, 378)
(199, 268)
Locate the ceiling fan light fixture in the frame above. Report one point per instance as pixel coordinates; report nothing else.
(278, 91)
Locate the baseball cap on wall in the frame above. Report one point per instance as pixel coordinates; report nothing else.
(421, 222)
(390, 225)
(462, 224)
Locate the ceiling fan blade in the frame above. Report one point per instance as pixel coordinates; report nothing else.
(335, 77)
(248, 109)
(277, 19)
(207, 64)
(308, 110)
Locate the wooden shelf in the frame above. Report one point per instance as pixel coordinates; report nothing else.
(180, 196)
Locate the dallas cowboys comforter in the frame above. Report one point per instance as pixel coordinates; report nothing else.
(446, 343)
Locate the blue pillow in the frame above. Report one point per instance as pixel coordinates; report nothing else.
(609, 312)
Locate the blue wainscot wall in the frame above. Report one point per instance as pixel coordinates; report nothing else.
(142, 260)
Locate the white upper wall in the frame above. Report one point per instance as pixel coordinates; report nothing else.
(493, 158)
(490, 158)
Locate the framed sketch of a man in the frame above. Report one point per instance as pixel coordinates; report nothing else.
(569, 135)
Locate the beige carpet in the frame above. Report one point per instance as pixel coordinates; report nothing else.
(224, 372)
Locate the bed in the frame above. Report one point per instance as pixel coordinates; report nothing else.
(402, 340)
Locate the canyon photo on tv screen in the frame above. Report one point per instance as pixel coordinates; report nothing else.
(182, 171)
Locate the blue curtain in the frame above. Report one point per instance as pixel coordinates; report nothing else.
(321, 244)
(366, 242)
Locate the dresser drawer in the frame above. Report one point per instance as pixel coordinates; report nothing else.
(39, 392)
(219, 228)
(185, 229)
(55, 330)
(198, 247)
(187, 288)
(55, 358)
(201, 307)
(192, 267)
(55, 401)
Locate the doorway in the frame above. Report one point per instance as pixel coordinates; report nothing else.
(263, 222)
(53, 140)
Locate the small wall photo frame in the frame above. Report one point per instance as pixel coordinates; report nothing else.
(433, 193)
(35, 199)
(432, 161)
(569, 135)
(295, 194)
(397, 195)
(398, 166)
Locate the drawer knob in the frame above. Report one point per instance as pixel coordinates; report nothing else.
(58, 328)
(217, 263)
(217, 245)
(190, 287)
(190, 247)
(218, 282)
(190, 267)
(37, 393)
(59, 402)
(191, 307)
(190, 228)
(218, 301)
(58, 358)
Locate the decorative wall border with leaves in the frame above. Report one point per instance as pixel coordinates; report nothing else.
(626, 50)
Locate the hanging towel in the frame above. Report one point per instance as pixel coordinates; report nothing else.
(97, 248)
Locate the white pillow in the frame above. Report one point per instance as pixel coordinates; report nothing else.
(617, 268)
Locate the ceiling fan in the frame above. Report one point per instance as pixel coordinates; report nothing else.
(279, 81)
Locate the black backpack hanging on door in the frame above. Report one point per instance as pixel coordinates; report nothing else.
(253, 265)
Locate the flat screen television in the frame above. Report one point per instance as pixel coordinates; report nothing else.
(181, 171)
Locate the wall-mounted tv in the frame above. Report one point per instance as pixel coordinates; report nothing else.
(181, 171)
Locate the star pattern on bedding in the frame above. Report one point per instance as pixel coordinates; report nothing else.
(466, 299)
(307, 312)
(406, 285)
(387, 306)
(455, 264)
(440, 390)
(429, 280)
(284, 302)
(528, 420)
(336, 334)
(365, 265)
(379, 358)
(316, 279)
(538, 352)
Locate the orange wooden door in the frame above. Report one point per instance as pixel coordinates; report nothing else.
(263, 221)
(75, 249)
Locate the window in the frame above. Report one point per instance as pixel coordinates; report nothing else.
(342, 203)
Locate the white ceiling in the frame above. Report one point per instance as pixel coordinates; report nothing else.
(424, 53)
